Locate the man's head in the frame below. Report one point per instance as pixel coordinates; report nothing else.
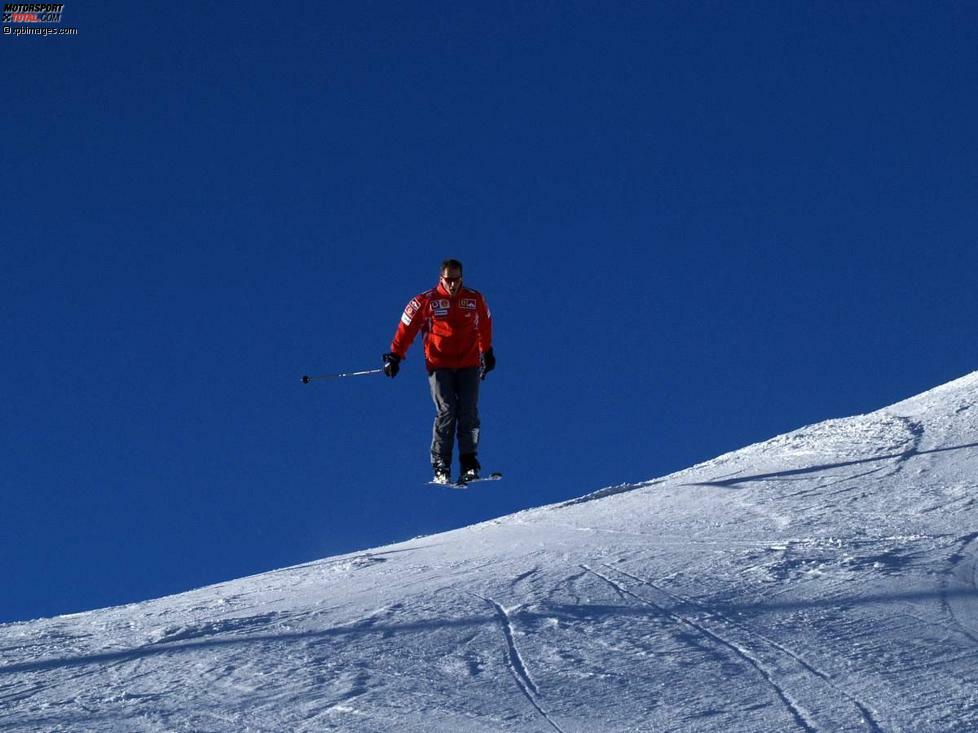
(451, 276)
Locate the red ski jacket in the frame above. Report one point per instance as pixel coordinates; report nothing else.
(456, 330)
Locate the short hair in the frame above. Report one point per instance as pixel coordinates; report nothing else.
(450, 265)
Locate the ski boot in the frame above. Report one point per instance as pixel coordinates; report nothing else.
(469, 467)
(443, 474)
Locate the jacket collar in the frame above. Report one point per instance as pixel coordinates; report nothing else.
(440, 289)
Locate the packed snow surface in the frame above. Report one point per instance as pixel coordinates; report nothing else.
(821, 581)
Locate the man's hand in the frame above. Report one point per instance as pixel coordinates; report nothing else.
(392, 365)
(488, 363)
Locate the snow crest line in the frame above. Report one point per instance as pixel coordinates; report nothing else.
(606, 492)
(862, 707)
(800, 716)
(517, 667)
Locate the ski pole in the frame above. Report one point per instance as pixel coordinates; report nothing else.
(341, 375)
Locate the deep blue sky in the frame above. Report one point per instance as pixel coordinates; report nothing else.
(698, 225)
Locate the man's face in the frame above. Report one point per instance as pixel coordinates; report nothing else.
(451, 278)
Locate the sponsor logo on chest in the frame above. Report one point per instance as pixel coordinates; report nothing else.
(439, 306)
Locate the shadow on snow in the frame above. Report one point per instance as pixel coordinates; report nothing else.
(565, 613)
(904, 456)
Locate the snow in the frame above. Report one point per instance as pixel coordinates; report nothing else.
(823, 580)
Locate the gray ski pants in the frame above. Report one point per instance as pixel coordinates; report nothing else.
(455, 393)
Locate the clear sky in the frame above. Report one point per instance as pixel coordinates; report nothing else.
(698, 225)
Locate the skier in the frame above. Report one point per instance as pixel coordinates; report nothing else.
(457, 328)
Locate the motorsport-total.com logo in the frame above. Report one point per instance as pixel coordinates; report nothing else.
(32, 12)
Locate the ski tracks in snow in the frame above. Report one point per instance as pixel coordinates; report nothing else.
(959, 601)
(514, 660)
(811, 697)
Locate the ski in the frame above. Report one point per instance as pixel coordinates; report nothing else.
(494, 476)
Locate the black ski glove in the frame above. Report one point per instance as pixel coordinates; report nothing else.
(392, 365)
(488, 363)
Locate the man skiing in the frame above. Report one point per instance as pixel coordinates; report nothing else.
(457, 328)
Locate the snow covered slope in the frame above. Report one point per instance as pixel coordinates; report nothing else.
(820, 581)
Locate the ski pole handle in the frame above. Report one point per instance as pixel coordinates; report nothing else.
(341, 375)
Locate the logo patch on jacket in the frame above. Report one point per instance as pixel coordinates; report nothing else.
(439, 306)
(467, 303)
(410, 312)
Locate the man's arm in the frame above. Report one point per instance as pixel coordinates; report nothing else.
(485, 325)
(486, 357)
(407, 329)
